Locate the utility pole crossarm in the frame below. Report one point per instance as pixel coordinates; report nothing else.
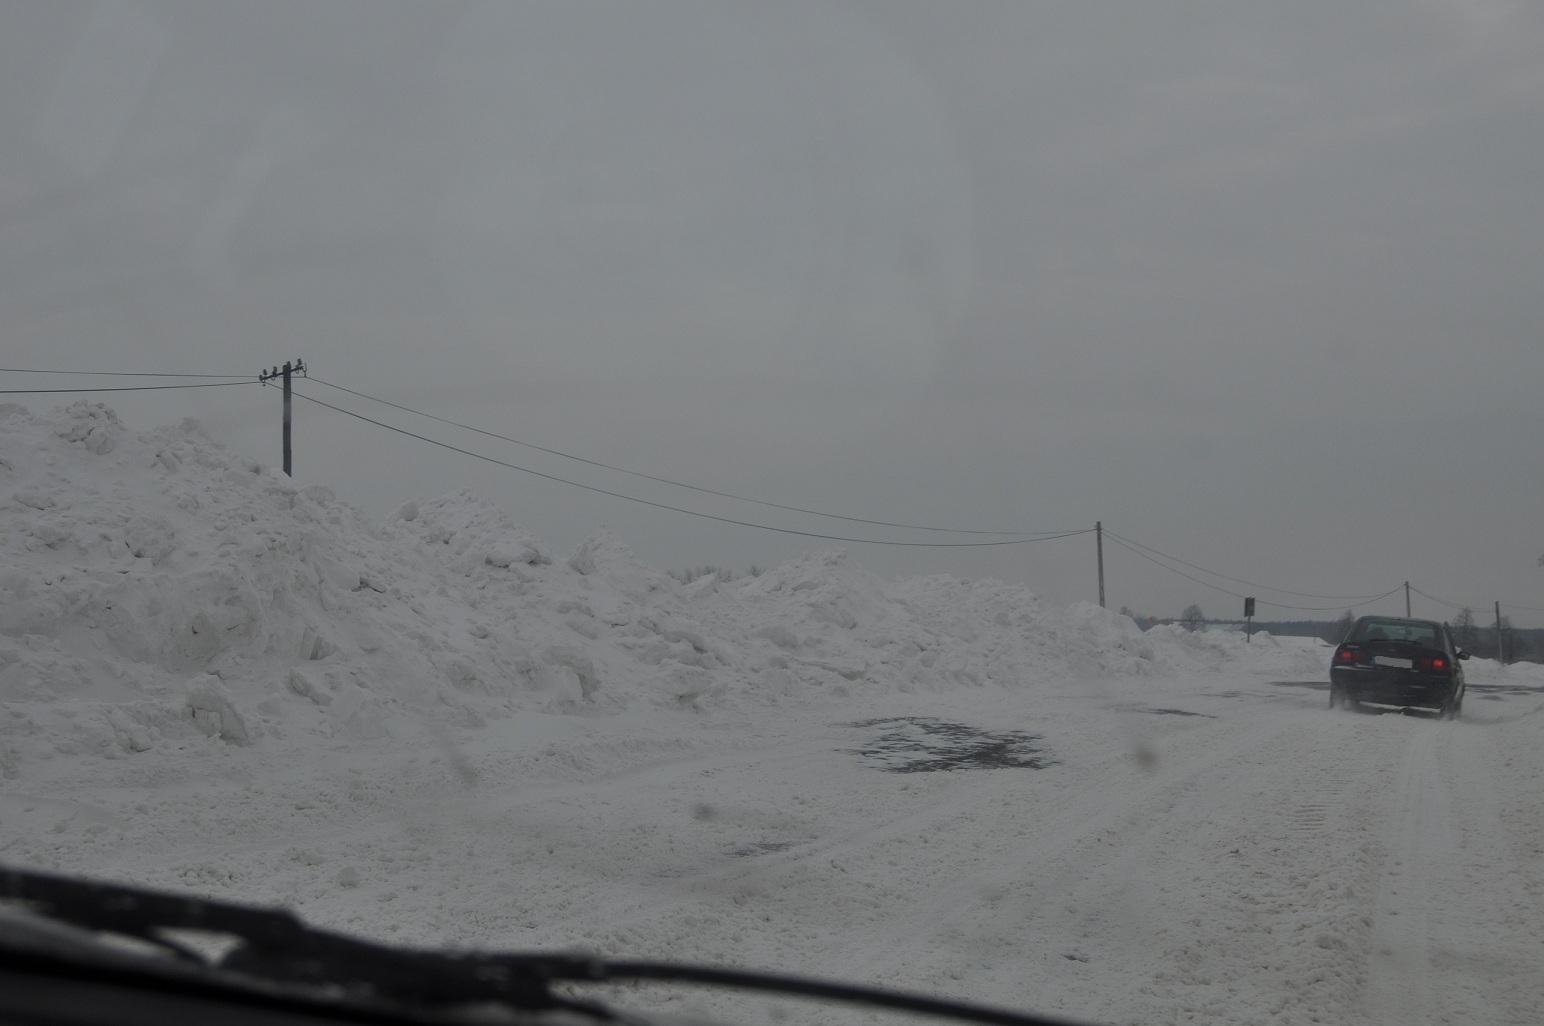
(289, 369)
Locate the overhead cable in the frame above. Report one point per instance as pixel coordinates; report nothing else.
(119, 388)
(669, 481)
(1442, 601)
(1470, 606)
(677, 509)
(1261, 601)
(114, 374)
(1354, 599)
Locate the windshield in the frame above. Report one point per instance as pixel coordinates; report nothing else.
(1396, 630)
(866, 489)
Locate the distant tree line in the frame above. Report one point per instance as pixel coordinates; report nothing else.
(1473, 635)
(697, 573)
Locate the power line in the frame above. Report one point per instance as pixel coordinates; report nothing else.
(1300, 594)
(114, 374)
(119, 388)
(669, 481)
(1147, 552)
(1471, 606)
(1443, 602)
(1187, 577)
(689, 512)
(1207, 584)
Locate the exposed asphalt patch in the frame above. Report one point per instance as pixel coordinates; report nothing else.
(1483, 690)
(1164, 712)
(921, 744)
(1315, 685)
(1506, 689)
(1372, 709)
(762, 848)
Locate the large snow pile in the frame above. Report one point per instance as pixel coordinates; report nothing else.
(157, 591)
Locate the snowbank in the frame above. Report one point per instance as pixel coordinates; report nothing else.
(158, 592)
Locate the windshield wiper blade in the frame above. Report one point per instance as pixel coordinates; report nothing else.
(616, 971)
(274, 947)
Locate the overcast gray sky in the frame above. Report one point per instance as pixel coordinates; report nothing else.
(1256, 284)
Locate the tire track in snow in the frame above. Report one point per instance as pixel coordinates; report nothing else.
(1229, 821)
(1422, 845)
(1474, 934)
(976, 909)
(876, 862)
(976, 795)
(1233, 886)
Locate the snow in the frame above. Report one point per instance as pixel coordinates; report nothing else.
(434, 730)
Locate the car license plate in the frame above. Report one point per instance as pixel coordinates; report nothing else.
(1403, 664)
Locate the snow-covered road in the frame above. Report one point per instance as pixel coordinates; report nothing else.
(1214, 847)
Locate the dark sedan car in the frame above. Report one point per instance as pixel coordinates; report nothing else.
(1406, 663)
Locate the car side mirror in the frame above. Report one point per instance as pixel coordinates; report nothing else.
(1463, 655)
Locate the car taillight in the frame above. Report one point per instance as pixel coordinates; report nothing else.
(1347, 655)
(1434, 664)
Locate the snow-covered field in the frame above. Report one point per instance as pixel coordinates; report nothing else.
(433, 730)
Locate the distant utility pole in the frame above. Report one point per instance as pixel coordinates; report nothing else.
(1099, 547)
(1500, 638)
(297, 367)
(1407, 600)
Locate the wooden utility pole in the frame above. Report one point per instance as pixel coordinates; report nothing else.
(1500, 638)
(1407, 600)
(289, 368)
(1099, 547)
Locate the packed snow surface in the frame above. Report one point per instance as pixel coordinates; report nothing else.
(435, 730)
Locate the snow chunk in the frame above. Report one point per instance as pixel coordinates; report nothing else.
(475, 533)
(93, 425)
(355, 713)
(563, 657)
(604, 555)
(214, 710)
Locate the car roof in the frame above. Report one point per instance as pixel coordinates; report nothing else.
(1400, 619)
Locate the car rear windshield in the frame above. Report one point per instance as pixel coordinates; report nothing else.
(1395, 630)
